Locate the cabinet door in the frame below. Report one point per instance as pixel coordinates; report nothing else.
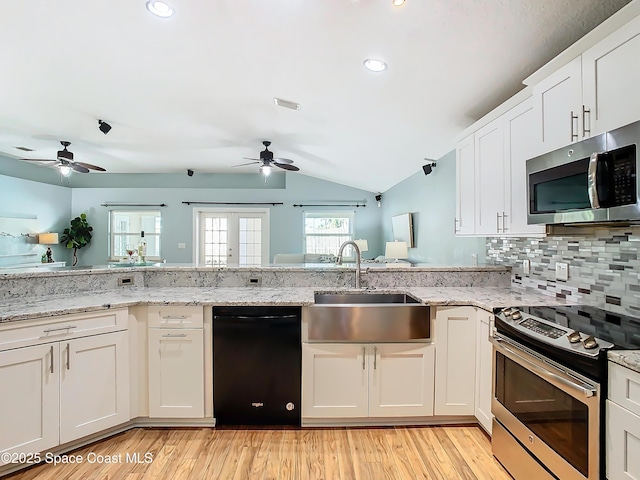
(611, 75)
(334, 381)
(94, 384)
(455, 341)
(401, 380)
(484, 371)
(623, 443)
(519, 146)
(558, 107)
(29, 401)
(465, 187)
(176, 373)
(490, 178)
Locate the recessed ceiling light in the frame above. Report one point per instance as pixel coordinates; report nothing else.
(375, 65)
(398, 3)
(159, 8)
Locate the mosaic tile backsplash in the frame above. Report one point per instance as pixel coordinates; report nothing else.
(604, 266)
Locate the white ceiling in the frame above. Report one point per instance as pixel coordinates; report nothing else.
(196, 90)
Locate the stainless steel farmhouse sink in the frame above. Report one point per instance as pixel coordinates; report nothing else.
(368, 317)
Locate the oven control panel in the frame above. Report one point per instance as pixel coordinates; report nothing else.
(552, 333)
(542, 328)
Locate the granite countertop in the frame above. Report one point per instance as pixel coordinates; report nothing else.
(24, 309)
(626, 358)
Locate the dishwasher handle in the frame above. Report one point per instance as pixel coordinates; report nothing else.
(255, 317)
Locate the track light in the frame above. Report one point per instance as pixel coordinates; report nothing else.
(189, 172)
(379, 199)
(428, 168)
(104, 127)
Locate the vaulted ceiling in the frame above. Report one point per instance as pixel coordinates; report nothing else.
(196, 90)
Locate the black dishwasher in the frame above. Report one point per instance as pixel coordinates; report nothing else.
(257, 365)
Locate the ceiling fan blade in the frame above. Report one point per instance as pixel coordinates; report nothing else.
(282, 160)
(78, 168)
(286, 166)
(39, 159)
(91, 167)
(249, 158)
(244, 164)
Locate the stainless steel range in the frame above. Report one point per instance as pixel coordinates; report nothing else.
(550, 379)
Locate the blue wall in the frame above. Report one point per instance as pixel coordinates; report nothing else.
(50, 203)
(432, 201)
(177, 219)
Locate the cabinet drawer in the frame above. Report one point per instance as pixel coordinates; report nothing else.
(624, 387)
(64, 327)
(178, 316)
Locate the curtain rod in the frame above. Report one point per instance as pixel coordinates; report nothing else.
(232, 203)
(133, 205)
(357, 205)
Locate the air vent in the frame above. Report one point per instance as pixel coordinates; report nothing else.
(24, 149)
(286, 104)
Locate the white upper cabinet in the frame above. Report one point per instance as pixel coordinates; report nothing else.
(558, 108)
(610, 79)
(465, 187)
(490, 179)
(519, 146)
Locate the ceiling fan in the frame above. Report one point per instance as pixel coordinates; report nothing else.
(65, 163)
(267, 161)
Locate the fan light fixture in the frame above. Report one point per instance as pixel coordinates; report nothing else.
(161, 9)
(375, 65)
(65, 170)
(266, 170)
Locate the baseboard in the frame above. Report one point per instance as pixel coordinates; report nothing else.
(389, 421)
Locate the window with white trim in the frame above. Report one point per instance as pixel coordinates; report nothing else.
(124, 232)
(324, 232)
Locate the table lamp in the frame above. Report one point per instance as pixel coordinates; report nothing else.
(396, 250)
(363, 245)
(48, 239)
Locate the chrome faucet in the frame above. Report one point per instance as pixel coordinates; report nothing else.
(357, 249)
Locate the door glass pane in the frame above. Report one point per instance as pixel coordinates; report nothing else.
(560, 420)
(250, 243)
(215, 241)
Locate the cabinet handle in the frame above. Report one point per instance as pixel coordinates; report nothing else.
(375, 358)
(455, 225)
(504, 222)
(177, 335)
(586, 130)
(69, 327)
(68, 356)
(363, 354)
(574, 136)
(498, 217)
(51, 353)
(175, 317)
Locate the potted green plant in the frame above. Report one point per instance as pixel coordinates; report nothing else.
(78, 235)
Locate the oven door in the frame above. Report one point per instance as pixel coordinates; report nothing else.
(551, 411)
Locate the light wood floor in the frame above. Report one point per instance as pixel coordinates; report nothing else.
(434, 453)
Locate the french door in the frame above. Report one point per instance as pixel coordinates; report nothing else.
(232, 237)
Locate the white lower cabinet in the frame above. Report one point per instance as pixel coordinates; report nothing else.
(484, 370)
(29, 403)
(455, 342)
(623, 424)
(176, 373)
(367, 380)
(176, 361)
(61, 391)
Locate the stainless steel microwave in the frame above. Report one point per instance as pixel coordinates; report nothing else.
(594, 180)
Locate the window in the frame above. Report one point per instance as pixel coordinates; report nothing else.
(237, 237)
(324, 232)
(124, 232)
